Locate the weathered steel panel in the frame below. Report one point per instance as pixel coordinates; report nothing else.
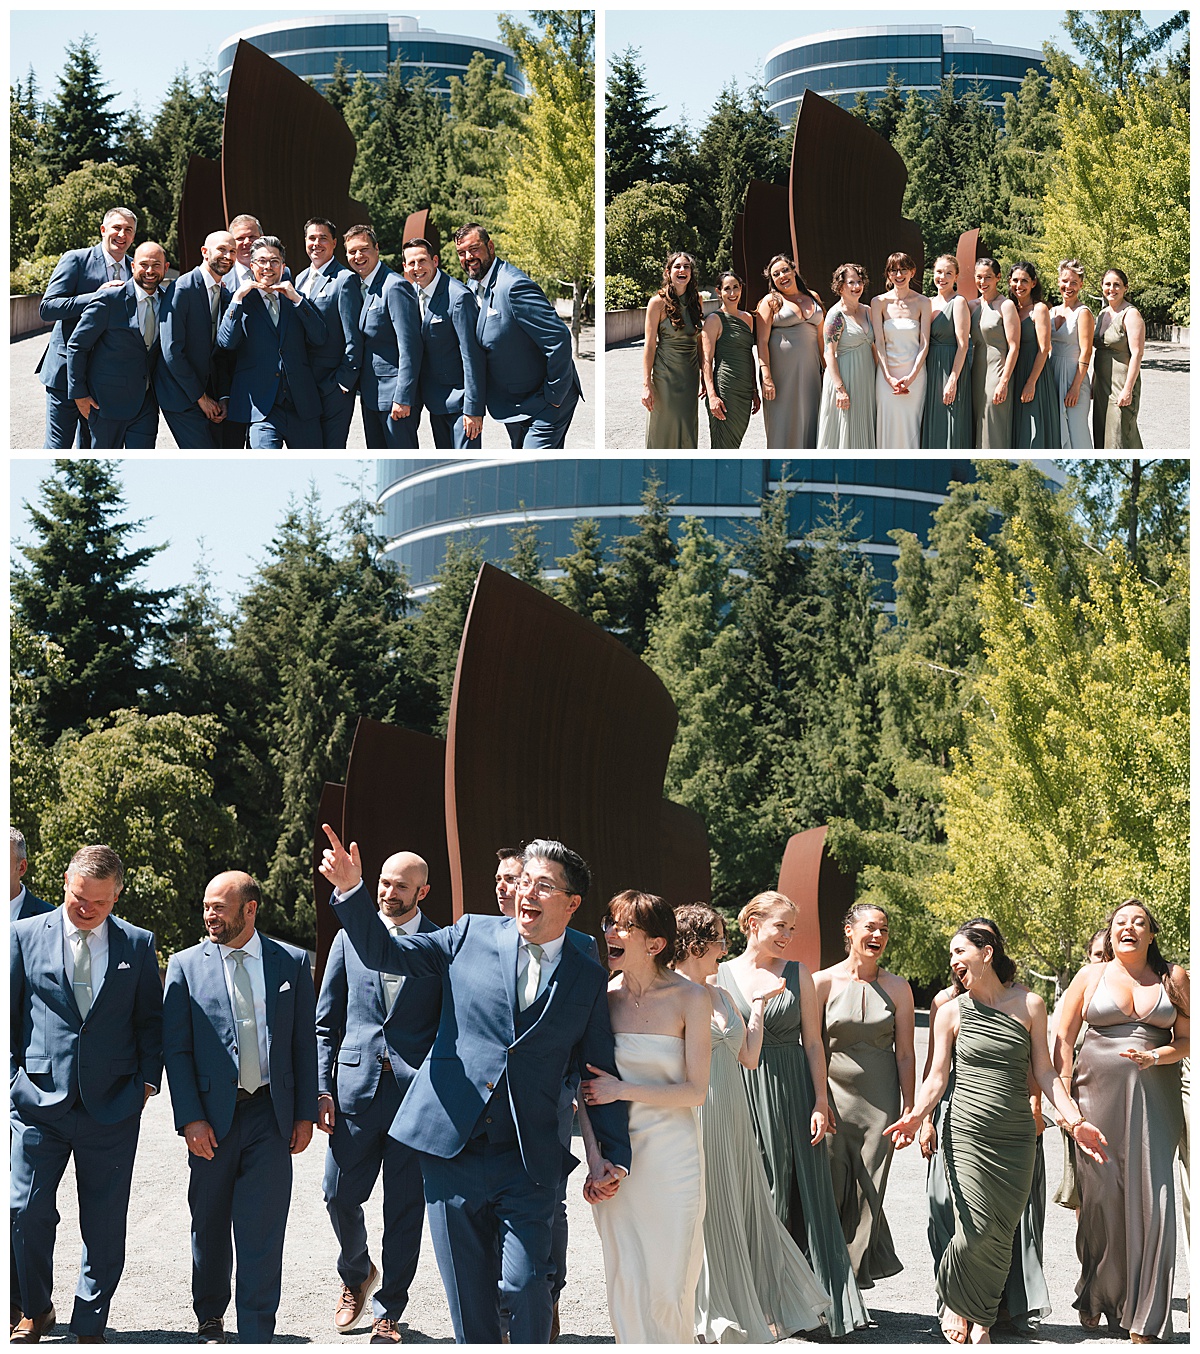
(822, 892)
(200, 210)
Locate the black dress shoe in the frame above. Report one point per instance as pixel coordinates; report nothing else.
(30, 1329)
(90, 1340)
(211, 1332)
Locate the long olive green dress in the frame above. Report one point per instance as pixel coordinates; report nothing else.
(733, 373)
(989, 1150)
(780, 1092)
(1036, 425)
(675, 380)
(864, 1094)
(947, 425)
(1115, 428)
(1126, 1235)
(850, 429)
(989, 352)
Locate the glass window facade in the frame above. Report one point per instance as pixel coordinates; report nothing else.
(427, 503)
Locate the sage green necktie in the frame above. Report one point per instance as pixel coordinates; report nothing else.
(249, 1067)
(391, 981)
(531, 979)
(81, 982)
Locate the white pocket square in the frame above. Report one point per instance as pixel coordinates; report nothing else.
(492, 310)
(435, 319)
(285, 987)
(122, 964)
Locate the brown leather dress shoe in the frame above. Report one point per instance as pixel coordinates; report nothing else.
(353, 1300)
(30, 1329)
(385, 1332)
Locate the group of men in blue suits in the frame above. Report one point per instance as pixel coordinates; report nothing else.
(235, 353)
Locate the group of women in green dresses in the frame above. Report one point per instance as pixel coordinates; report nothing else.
(902, 372)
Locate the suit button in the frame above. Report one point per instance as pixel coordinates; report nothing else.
(379, 1057)
(488, 1120)
(490, 1087)
(235, 1048)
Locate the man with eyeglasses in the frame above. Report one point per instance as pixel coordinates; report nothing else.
(520, 1006)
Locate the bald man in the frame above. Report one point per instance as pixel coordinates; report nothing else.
(373, 1033)
(239, 1042)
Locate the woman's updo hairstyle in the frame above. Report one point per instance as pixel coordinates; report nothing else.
(980, 936)
(760, 906)
(858, 910)
(696, 928)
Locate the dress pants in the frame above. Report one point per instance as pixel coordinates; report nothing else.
(491, 1230)
(192, 429)
(449, 433)
(549, 432)
(104, 1156)
(240, 1199)
(337, 410)
(384, 433)
(63, 422)
(284, 427)
(358, 1148)
(139, 432)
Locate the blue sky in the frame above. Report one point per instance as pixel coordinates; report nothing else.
(234, 506)
(139, 62)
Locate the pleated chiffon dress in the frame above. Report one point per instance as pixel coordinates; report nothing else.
(850, 429)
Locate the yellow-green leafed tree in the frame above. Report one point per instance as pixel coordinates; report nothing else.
(550, 223)
(1120, 193)
(1071, 794)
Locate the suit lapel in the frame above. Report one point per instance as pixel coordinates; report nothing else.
(119, 950)
(510, 940)
(213, 995)
(273, 976)
(56, 957)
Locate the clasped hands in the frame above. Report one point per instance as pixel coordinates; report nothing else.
(603, 1180)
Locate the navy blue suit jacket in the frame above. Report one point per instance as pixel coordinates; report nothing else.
(264, 353)
(390, 319)
(33, 906)
(191, 365)
(55, 1055)
(529, 362)
(200, 1036)
(452, 362)
(338, 299)
(476, 1044)
(356, 1032)
(76, 280)
(107, 357)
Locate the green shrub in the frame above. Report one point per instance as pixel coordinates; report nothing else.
(31, 276)
(623, 293)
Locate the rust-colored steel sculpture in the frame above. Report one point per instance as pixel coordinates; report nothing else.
(844, 199)
(823, 894)
(760, 231)
(328, 811)
(686, 864)
(286, 152)
(395, 802)
(420, 226)
(200, 209)
(556, 729)
(966, 254)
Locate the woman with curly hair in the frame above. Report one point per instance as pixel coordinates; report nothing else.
(789, 352)
(671, 360)
(848, 392)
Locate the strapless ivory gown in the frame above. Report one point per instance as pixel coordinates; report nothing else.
(651, 1231)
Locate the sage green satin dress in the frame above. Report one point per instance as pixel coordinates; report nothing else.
(989, 353)
(674, 422)
(1114, 428)
(864, 1094)
(1037, 425)
(946, 425)
(781, 1097)
(989, 1150)
(733, 374)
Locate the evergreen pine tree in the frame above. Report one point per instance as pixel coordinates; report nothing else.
(632, 143)
(79, 122)
(339, 90)
(525, 558)
(641, 569)
(582, 586)
(436, 632)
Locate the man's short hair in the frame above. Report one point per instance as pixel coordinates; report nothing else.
(16, 842)
(98, 862)
(268, 242)
(246, 220)
(463, 231)
(509, 853)
(247, 888)
(579, 877)
(418, 243)
(361, 230)
(321, 221)
(131, 217)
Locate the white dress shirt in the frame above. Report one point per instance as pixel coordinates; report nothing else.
(258, 986)
(408, 928)
(551, 954)
(15, 908)
(123, 273)
(97, 941)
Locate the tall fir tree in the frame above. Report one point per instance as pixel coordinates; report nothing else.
(486, 116)
(525, 556)
(582, 586)
(339, 90)
(641, 569)
(436, 630)
(79, 120)
(632, 143)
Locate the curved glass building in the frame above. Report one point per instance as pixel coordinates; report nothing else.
(310, 47)
(427, 503)
(841, 62)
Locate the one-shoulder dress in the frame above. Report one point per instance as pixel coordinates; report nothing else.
(1116, 429)
(1036, 424)
(989, 353)
(864, 1094)
(733, 375)
(674, 422)
(989, 1151)
(946, 425)
(755, 1285)
(853, 428)
(1075, 424)
(1126, 1235)
(795, 348)
(651, 1230)
(780, 1092)
(898, 417)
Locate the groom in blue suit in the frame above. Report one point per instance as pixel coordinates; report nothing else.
(241, 1054)
(85, 1056)
(520, 1005)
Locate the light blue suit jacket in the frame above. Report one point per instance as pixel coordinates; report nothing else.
(77, 279)
(200, 1036)
(452, 362)
(338, 300)
(390, 320)
(106, 1060)
(476, 1044)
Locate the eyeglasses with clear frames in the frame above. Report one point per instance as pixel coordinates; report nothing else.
(539, 888)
